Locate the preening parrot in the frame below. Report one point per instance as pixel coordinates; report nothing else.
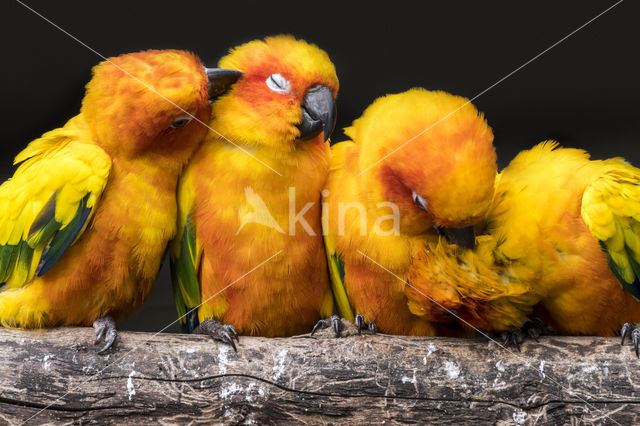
(568, 229)
(249, 255)
(87, 215)
(419, 163)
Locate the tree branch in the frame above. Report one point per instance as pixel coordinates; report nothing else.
(173, 378)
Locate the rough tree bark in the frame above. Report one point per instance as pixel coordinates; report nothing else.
(171, 378)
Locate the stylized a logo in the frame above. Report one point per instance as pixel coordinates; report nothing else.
(256, 211)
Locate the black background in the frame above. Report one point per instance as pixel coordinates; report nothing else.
(582, 93)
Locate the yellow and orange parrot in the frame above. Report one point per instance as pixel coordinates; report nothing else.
(249, 256)
(567, 227)
(419, 163)
(87, 215)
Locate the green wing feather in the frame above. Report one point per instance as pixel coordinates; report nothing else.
(611, 211)
(47, 203)
(336, 274)
(8, 255)
(63, 237)
(186, 287)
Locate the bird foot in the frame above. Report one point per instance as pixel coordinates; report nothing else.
(634, 335)
(105, 328)
(333, 321)
(532, 329)
(361, 324)
(224, 333)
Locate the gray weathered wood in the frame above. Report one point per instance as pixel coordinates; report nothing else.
(174, 378)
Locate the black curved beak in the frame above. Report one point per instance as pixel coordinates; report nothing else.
(220, 79)
(318, 113)
(462, 237)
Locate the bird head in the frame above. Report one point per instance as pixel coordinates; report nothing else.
(154, 101)
(286, 95)
(434, 159)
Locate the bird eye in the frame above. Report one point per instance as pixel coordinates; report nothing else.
(278, 84)
(421, 202)
(180, 121)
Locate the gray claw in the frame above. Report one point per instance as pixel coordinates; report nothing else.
(512, 339)
(534, 334)
(535, 328)
(224, 333)
(227, 337)
(635, 337)
(626, 328)
(317, 327)
(532, 328)
(233, 333)
(361, 323)
(99, 333)
(105, 328)
(337, 325)
(334, 322)
(109, 339)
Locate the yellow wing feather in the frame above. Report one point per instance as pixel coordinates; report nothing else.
(611, 211)
(336, 275)
(334, 259)
(58, 176)
(470, 282)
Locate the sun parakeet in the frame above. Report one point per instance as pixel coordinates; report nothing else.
(568, 228)
(419, 163)
(249, 253)
(87, 215)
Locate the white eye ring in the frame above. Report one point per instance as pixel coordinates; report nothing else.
(421, 202)
(278, 84)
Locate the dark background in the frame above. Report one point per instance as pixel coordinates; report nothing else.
(583, 93)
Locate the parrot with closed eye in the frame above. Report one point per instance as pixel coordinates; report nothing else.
(88, 213)
(248, 258)
(419, 164)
